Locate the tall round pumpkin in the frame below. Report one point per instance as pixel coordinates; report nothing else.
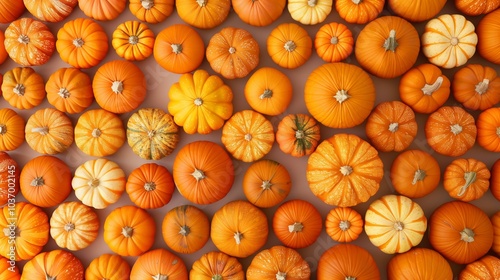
(159, 264)
(278, 262)
(49, 131)
(50, 10)
(69, 90)
(108, 266)
(11, 130)
(424, 262)
(151, 11)
(347, 261)
(56, 264)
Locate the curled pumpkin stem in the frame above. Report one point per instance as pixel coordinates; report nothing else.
(391, 43)
(429, 89)
(470, 178)
(482, 87)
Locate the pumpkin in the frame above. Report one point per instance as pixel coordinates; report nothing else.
(359, 11)
(297, 223)
(74, 226)
(488, 39)
(49, 131)
(69, 90)
(466, 179)
(9, 270)
(98, 183)
(476, 8)
(345, 170)
(415, 173)
(99, 133)
(416, 11)
(179, 49)
(152, 133)
(45, 181)
(424, 262)
(309, 12)
(102, 10)
(203, 172)
(278, 262)
(11, 10)
(460, 231)
(204, 14)
(3, 52)
(185, 229)
(395, 223)
(387, 47)
(239, 228)
(119, 86)
(485, 268)
(266, 183)
(82, 43)
(151, 11)
(11, 130)
(343, 224)
(268, 91)
(27, 227)
(56, 264)
(129, 231)
(450, 131)
(29, 42)
(108, 266)
(233, 52)
(150, 186)
(495, 221)
(200, 102)
(339, 95)
(298, 134)
(133, 40)
(50, 10)
(248, 136)
(488, 129)
(216, 265)
(347, 261)
(23, 88)
(474, 86)
(391, 126)
(495, 179)
(449, 41)
(9, 178)
(258, 13)
(159, 264)
(334, 42)
(289, 45)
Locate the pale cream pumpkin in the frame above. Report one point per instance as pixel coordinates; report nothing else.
(309, 12)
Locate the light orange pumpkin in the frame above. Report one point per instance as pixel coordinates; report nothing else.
(23, 88)
(475, 85)
(298, 134)
(108, 266)
(278, 262)
(150, 186)
(56, 264)
(344, 224)
(151, 11)
(334, 42)
(416, 11)
(69, 90)
(425, 262)
(159, 264)
(49, 131)
(9, 270)
(50, 10)
(488, 45)
(359, 11)
(476, 8)
(133, 40)
(214, 265)
(11, 130)
(258, 13)
(488, 129)
(11, 10)
(9, 178)
(466, 179)
(347, 261)
(203, 14)
(102, 10)
(289, 45)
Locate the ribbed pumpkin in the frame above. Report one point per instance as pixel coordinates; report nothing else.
(49, 131)
(357, 11)
(69, 90)
(11, 10)
(344, 224)
(476, 8)
(289, 45)
(3, 52)
(278, 262)
(151, 11)
(50, 10)
(334, 42)
(258, 13)
(309, 12)
(23, 88)
(150, 186)
(159, 264)
(347, 261)
(495, 221)
(56, 264)
(488, 129)
(102, 10)
(485, 268)
(203, 14)
(416, 11)
(298, 134)
(495, 179)
(488, 39)
(11, 130)
(9, 178)
(466, 179)
(217, 265)
(424, 262)
(9, 270)
(475, 85)
(108, 266)
(133, 40)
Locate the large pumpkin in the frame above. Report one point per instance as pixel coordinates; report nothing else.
(488, 129)
(278, 262)
(49, 131)
(476, 8)
(424, 262)
(102, 10)
(289, 45)
(151, 11)
(150, 186)
(69, 90)
(159, 264)
(50, 10)
(11, 130)
(56, 264)
(347, 261)
(9, 178)
(475, 85)
(258, 13)
(108, 266)
(416, 11)
(133, 40)
(217, 265)
(488, 38)
(23, 88)
(204, 14)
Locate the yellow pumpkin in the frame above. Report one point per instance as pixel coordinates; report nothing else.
(310, 12)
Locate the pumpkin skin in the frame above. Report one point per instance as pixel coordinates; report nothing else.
(69, 90)
(30, 229)
(23, 88)
(179, 49)
(49, 131)
(476, 8)
(495, 179)
(298, 134)
(485, 268)
(460, 231)
(102, 10)
(449, 41)
(133, 40)
(204, 14)
(55, 264)
(415, 173)
(339, 95)
(98, 183)
(334, 42)
(416, 11)
(9, 178)
(488, 124)
(119, 86)
(266, 183)
(268, 91)
(11, 130)
(289, 45)
(276, 262)
(150, 186)
(258, 13)
(331, 163)
(475, 85)
(309, 12)
(495, 221)
(74, 226)
(248, 136)
(151, 11)
(203, 172)
(344, 224)
(11, 10)
(424, 262)
(185, 229)
(159, 264)
(233, 52)
(152, 133)
(129, 231)
(82, 43)
(51, 10)
(8, 270)
(200, 102)
(99, 133)
(239, 229)
(359, 12)
(488, 39)
(387, 47)
(466, 179)
(3, 52)
(108, 266)
(347, 261)
(45, 181)
(216, 264)
(29, 42)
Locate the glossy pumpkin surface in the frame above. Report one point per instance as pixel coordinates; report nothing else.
(278, 262)
(11, 130)
(424, 262)
(150, 186)
(466, 179)
(344, 224)
(69, 90)
(289, 45)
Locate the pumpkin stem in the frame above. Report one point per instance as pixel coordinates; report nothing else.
(281, 275)
(299, 134)
(3, 129)
(341, 96)
(63, 93)
(202, 3)
(198, 175)
(151, 133)
(160, 277)
(198, 101)
(266, 94)
(430, 89)
(418, 176)
(117, 87)
(127, 231)
(42, 130)
(344, 225)
(217, 277)
(78, 42)
(185, 230)
(266, 185)
(470, 178)
(350, 278)
(147, 4)
(133, 40)
(399, 226)
(19, 89)
(498, 131)
(456, 129)
(290, 46)
(334, 40)
(238, 236)
(69, 227)
(7, 231)
(176, 48)
(346, 170)
(150, 186)
(37, 182)
(248, 137)
(454, 41)
(390, 43)
(356, 1)
(232, 50)
(96, 132)
(94, 183)
(312, 3)
(23, 39)
(482, 86)
(467, 235)
(296, 227)
(48, 277)
(393, 127)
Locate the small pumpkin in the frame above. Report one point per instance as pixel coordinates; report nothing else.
(476, 8)
(425, 262)
(108, 266)
(9, 178)
(344, 224)
(416, 11)
(204, 14)
(334, 42)
(9, 271)
(298, 134)
(159, 264)
(133, 40)
(217, 265)
(102, 10)
(309, 12)
(488, 39)
(98, 183)
(258, 13)
(11, 130)
(488, 129)
(150, 186)
(55, 264)
(278, 262)
(347, 261)
(359, 11)
(485, 268)
(495, 221)
(475, 85)
(49, 131)
(50, 10)
(152, 133)
(74, 226)
(466, 179)
(23, 88)
(289, 45)
(151, 11)
(11, 10)
(69, 90)
(495, 179)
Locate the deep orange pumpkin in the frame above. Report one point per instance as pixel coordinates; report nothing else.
(150, 186)
(495, 179)
(159, 264)
(495, 221)
(485, 268)
(344, 224)
(347, 261)
(258, 13)
(108, 266)
(55, 264)
(466, 179)
(334, 42)
(488, 129)
(475, 86)
(424, 262)
(11, 10)
(69, 90)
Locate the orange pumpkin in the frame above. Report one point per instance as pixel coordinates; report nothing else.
(11, 10)
(450, 131)
(204, 14)
(150, 186)
(278, 262)
(203, 172)
(102, 10)
(298, 134)
(3, 52)
(475, 85)
(334, 42)
(476, 8)
(133, 40)
(9, 270)
(460, 231)
(159, 264)
(345, 170)
(488, 129)
(217, 265)
(11, 130)
(258, 13)
(49, 131)
(359, 11)
(347, 261)
(151, 11)
(50, 10)
(495, 221)
(108, 266)
(495, 179)
(9, 178)
(268, 91)
(466, 179)
(485, 268)
(45, 181)
(233, 52)
(416, 11)
(69, 90)
(55, 264)
(23, 88)
(488, 39)
(289, 45)
(426, 263)
(309, 12)
(344, 224)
